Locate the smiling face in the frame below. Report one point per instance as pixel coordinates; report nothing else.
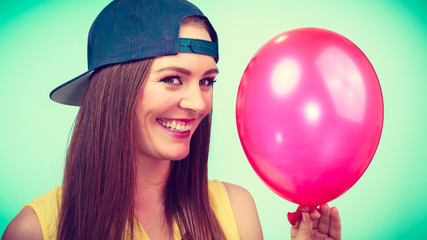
(174, 99)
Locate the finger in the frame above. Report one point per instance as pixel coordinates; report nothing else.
(294, 231)
(305, 227)
(335, 224)
(306, 208)
(324, 220)
(315, 216)
(303, 208)
(315, 223)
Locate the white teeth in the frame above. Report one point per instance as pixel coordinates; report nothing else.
(175, 127)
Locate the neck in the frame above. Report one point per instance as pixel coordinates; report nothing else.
(152, 176)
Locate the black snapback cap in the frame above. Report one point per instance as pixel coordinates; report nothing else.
(128, 30)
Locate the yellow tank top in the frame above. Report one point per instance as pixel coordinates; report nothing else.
(46, 208)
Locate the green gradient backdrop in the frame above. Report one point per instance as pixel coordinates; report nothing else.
(43, 44)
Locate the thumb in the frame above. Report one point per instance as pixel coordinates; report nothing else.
(305, 227)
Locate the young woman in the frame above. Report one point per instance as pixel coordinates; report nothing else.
(136, 166)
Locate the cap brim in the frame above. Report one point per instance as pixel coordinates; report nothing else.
(71, 92)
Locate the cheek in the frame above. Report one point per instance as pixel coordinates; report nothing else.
(208, 102)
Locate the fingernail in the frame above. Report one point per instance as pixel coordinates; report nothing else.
(304, 209)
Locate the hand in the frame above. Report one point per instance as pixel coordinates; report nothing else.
(319, 224)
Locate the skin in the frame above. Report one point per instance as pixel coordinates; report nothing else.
(245, 212)
(24, 226)
(320, 224)
(186, 97)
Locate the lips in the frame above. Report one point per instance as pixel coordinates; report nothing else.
(179, 126)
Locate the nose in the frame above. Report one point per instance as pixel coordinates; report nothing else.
(196, 100)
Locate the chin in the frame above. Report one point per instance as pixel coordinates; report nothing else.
(179, 156)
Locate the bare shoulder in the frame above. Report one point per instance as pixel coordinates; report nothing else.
(245, 212)
(25, 225)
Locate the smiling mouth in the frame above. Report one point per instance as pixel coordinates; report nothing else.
(175, 126)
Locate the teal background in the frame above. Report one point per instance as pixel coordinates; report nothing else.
(43, 44)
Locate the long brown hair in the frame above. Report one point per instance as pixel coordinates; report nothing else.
(99, 177)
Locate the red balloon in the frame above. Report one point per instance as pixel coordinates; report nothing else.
(309, 114)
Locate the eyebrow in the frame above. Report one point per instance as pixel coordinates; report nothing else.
(186, 71)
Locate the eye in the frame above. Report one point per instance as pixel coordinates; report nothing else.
(172, 80)
(207, 82)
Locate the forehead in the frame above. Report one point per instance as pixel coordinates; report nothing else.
(193, 62)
